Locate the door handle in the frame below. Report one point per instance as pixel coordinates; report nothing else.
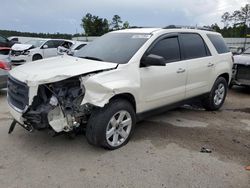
(210, 65)
(181, 70)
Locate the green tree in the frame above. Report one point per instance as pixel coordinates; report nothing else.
(225, 18)
(116, 22)
(126, 25)
(94, 26)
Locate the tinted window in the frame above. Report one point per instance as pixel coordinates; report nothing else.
(80, 46)
(50, 44)
(2, 39)
(58, 43)
(114, 47)
(167, 48)
(193, 46)
(218, 43)
(14, 39)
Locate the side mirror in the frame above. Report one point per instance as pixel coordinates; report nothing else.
(45, 46)
(153, 60)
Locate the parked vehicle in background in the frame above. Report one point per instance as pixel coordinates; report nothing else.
(236, 50)
(241, 69)
(71, 50)
(34, 50)
(4, 42)
(21, 40)
(119, 79)
(4, 66)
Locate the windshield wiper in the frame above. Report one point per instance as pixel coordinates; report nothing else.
(92, 58)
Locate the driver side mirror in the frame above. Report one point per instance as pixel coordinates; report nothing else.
(153, 60)
(45, 46)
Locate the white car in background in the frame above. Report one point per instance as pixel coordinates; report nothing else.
(71, 50)
(35, 49)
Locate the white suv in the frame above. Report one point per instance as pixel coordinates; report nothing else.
(36, 49)
(119, 79)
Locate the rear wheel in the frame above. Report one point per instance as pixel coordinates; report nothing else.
(217, 95)
(111, 127)
(36, 57)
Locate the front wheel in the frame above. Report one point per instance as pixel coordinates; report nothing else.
(111, 127)
(36, 57)
(217, 95)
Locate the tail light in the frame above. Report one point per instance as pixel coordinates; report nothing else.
(4, 66)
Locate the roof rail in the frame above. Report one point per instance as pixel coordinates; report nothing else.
(188, 27)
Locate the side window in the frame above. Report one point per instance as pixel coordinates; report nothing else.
(3, 40)
(193, 46)
(50, 44)
(58, 43)
(80, 46)
(218, 43)
(14, 39)
(167, 48)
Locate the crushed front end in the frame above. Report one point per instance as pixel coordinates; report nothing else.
(55, 106)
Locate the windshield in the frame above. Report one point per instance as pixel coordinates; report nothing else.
(247, 51)
(114, 47)
(35, 43)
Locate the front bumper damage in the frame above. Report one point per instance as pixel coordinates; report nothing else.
(58, 107)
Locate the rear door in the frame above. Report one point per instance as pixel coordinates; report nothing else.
(200, 64)
(162, 85)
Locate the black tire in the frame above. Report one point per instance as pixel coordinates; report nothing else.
(36, 57)
(100, 120)
(209, 102)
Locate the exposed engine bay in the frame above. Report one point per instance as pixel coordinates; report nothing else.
(58, 106)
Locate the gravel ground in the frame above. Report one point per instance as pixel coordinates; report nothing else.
(163, 152)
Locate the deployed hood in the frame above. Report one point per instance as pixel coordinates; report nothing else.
(21, 47)
(242, 59)
(56, 69)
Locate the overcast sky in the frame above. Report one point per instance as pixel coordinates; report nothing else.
(64, 16)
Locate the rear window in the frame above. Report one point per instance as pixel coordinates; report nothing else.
(193, 46)
(218, 43)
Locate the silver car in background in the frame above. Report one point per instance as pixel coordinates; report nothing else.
(241, 69)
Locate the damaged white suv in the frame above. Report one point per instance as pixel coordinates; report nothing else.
(119, 79)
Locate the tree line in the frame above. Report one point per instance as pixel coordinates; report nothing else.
(236, 24)
(9, 33)
(96, 26)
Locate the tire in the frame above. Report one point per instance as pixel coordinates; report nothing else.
(103, 128)
(36, 57)
(217, 95)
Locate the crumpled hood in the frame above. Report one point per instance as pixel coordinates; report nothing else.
(242, 59)
(57, 69)
(21, 47)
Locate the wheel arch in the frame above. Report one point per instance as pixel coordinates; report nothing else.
(127, 96)
(37, 54)
(226, 76)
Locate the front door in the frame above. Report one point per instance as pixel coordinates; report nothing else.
(162, 85)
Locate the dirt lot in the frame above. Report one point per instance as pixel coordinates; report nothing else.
(164, 152)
